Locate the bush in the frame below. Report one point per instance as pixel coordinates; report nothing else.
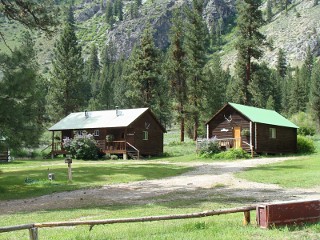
(233, 153)
(305, 145)
(82, 147)
(208, 147)
(307, 131)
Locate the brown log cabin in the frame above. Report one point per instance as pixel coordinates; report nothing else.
(256, 130)
(128, 132)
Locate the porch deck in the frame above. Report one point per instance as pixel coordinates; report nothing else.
(226, 143)
(108, 147)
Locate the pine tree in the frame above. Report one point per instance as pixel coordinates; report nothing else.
(315, 91)
(22, 96)
(298, 94)
(138, 2)
(260, 86)
(176, 70)
(109, 13)
(118, 9)
(281, 63)
(249, 43)
(92, 77)
(105, 93)
(196, 45)
(269, 10)
(67, 86)
(144, 75)
(217, 86)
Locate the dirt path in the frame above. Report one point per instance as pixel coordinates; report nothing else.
(212, 181)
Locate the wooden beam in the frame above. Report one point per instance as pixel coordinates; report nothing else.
(146, 219)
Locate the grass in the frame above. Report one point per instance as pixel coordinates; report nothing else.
(26, 178)
(103, 172)
(216, 227)
(302, 172)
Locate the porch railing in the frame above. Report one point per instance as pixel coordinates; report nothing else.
(223, 142)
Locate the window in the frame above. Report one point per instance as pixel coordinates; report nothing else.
(96, 133)
(145, 135)
(273, 133)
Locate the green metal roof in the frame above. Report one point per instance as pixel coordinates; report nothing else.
(265, 116)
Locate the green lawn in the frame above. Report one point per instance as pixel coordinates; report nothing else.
(29, 178)
(215, 227)
(303, 172)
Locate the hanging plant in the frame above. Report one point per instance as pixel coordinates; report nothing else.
(245, 132)
(109, 138)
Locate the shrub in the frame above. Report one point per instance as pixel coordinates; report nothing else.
(208, 147)
(114, 157)
(305, 123)
(307, 131)
(233, 153)
(82, 147)
(305, 145)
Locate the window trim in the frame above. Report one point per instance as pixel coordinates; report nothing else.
(272, 133)
(96, 132)
(145, 135)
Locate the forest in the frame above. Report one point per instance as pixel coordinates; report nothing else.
(184, 84)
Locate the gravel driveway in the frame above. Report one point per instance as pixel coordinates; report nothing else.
(211, 181)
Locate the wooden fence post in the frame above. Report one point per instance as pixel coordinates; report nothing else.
(33, 233)
(246, 219)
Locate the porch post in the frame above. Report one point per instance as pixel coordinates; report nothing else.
(207, 131)
(251, 146)
(52, 145)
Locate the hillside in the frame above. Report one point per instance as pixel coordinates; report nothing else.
(293, 31)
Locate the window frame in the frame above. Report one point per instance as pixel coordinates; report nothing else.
(145, 135)
(272, 133)
(96, 132)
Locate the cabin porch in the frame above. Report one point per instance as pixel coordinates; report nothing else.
(227, 143)
(108, 147)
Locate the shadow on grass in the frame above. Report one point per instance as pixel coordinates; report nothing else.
(17, 184)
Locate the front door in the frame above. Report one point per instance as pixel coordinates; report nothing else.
(237, 136)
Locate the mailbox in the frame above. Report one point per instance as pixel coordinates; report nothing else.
(68, 160)
(51, 176)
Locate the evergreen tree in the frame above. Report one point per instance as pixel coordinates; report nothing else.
(104, 97)
(67, 86)
(260, 86)
(298, 94)
(281, 63)
(315, 2)
(177, 70)
(269, 10)
(109, 13)
(217, 86)
(286, 86)
(196, 45)
(138, 2)
(315, 91)
(118, 9)
(92, 73)
(144, 75)
(249, 43)
(22, 96)
(120, 83)
(134, 10)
